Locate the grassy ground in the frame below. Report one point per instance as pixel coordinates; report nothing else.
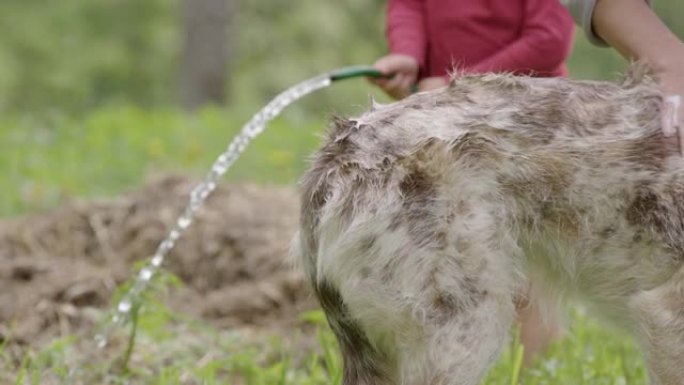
(47, 161)
(172, 350)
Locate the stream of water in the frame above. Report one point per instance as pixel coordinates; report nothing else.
(253, 128)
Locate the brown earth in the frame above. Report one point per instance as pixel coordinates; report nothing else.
(58, 269)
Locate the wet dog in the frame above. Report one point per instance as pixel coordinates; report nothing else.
(423, 220)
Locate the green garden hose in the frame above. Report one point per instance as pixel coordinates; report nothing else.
(356, 71)
(361, 70)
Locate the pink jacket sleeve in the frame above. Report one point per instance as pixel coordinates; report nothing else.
(406, 29)
(544, 44)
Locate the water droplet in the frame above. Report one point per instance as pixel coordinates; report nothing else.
(173, 235)
(211, 186)
(100, 341)
(184, 222)
(124, 306)
(166, 246)
(157, 260)
(146, 274)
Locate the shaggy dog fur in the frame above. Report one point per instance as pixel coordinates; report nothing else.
(424, 219)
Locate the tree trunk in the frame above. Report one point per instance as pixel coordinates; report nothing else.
(206, 49)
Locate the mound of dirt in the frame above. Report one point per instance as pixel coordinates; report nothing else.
(58, 268)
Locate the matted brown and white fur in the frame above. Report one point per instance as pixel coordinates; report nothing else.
(424, 220)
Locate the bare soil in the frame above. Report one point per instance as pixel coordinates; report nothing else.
(58, 269)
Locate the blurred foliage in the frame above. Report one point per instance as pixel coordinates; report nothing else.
(74, 55)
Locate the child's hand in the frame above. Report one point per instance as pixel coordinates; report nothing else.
(432, 83)
(404, 71)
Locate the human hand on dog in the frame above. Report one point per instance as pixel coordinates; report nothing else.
(632, 28)
(403, 70)
(672, 83)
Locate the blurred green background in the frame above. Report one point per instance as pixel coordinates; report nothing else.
(92, 92)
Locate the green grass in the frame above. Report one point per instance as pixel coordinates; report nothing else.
(589, 354)
(188, 352)
(47, 161)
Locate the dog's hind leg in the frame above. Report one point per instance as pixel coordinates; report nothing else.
(428, 311)
(660, 314)
(457, 349)
(462, 324)
(448, 332)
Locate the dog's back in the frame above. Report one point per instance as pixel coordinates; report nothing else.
(422, 220)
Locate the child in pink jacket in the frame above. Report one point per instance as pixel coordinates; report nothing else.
(429, 38)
